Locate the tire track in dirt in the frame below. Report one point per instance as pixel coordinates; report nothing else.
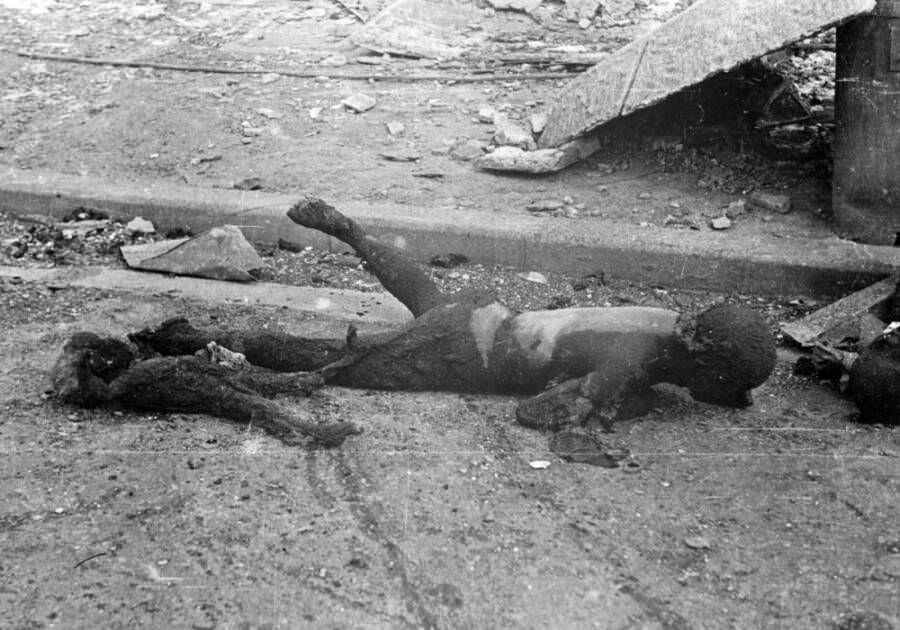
(351, 481)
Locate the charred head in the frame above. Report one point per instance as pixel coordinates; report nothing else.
(732, 351)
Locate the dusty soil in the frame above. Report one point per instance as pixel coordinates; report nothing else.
(783, 515)
(215, 130)
(778, 516)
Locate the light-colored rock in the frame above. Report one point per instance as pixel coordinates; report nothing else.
(538, 122)
(770, 202)
(515, 5)
(736, 208)
(487, 114)
(541, 161)
(140, 225)
(359, 102)
(220, 253)
(509, 134)
(395, 128)
(720, 223)
(577, 10)
(269, 113)
(468, 150)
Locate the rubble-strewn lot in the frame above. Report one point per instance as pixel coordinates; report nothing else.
(781, 515)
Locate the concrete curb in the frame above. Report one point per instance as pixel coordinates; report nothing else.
(732, 261)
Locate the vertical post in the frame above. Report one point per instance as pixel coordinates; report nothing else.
(866, 189)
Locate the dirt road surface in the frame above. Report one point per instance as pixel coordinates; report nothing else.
(782, 515)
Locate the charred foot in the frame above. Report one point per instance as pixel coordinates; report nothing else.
(315, 214)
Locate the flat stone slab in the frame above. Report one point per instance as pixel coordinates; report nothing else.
(710, 36)
(338, 304)
(220, 253)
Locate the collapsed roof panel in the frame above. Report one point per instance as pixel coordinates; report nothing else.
(709, 37)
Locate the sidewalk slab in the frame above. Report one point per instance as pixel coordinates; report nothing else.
(745, 262)
(333, 304)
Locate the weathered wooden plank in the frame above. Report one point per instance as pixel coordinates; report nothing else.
(830, 322)
(709, 37)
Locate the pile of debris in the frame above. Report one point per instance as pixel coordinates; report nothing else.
(855, 343)
(83, 235)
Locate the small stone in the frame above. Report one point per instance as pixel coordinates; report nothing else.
(698, 542)
(772, 203)
(269, 77)
(335, 60)
(545, 205)
(448, 261)
(720, 223)
(487, 114)
(533, 276)
(140, 225)
(537, 122)
(539, 464)
(509, 134)
(688, 222)
(359, 103)
(401, 155)
(468, 150)
(315, 113)
(736, 208)
(290, 246)
(269, 113)
(645, 195)
(249, 183)
(395, 128)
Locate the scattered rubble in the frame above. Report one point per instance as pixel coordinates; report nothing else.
(856, 343)
(84, 235)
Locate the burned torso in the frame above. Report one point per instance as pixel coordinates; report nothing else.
(532, 349)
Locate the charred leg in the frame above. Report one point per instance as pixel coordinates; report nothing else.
(399, 275)
(275, 351)
(94, 371)
(193, 385)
